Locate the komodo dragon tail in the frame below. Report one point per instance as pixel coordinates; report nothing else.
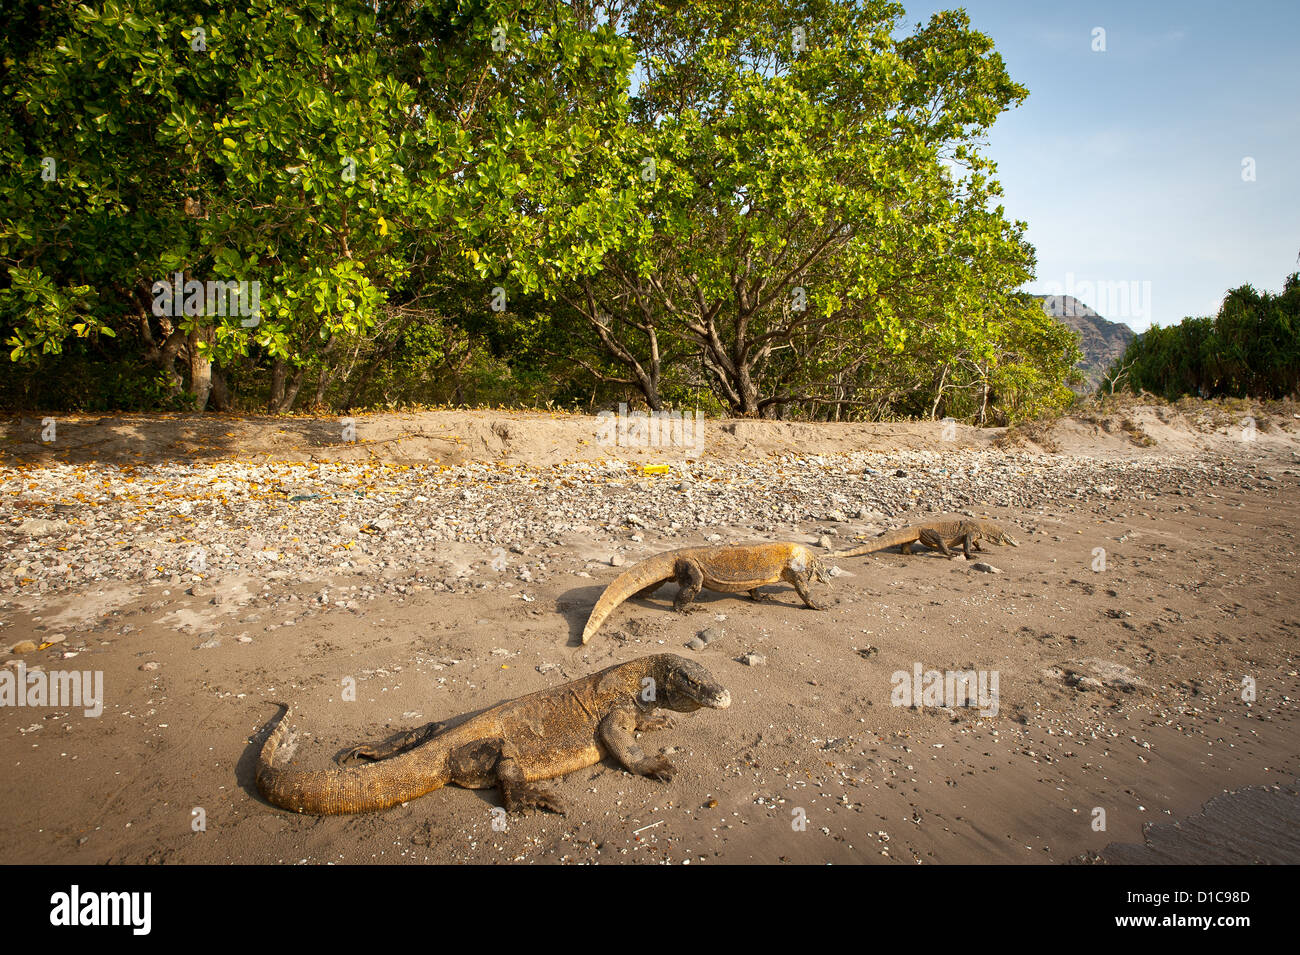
(363, 788)
(886, 540)
(647, 573)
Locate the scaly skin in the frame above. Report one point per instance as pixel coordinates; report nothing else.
(729, 568)
(940, 535)
(511, 745)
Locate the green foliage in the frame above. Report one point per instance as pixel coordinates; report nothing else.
(1251, 349)
(767, 226)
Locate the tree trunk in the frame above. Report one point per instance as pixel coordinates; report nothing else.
(220, 397)
(277, 387)
(291, 393)
(200, 367)
(322, 384)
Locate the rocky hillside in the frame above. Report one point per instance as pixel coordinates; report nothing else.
(1102, 341)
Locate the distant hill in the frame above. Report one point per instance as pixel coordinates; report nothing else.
(1102, 341)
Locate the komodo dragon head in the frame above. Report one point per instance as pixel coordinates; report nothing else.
(687, 687)
(996, 535)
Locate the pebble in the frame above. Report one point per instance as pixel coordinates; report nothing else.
(984, 568)
(753, 660)
(149, 665)
(127, 527)
(23, 646)
(37, 527)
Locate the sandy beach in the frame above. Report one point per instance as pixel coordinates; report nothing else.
(1141, 640)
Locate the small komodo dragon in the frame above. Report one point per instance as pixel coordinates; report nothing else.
(941, 535)
(729, 568)
(510, 745)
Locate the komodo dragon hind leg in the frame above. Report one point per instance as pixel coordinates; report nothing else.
(616, 732)
(691, 580)
(484, 764)
(519, 794)
(393, 746)
(931, 539)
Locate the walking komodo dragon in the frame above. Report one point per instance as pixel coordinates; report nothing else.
(729, 568)
(940, 535)
(510, 745)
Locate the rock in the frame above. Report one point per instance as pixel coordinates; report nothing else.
(900, 473)
(839, 517)
(38, 527)
(753, 660)
(211, 643)
(824, 542)
(149, 665)
(1086, 683)
(711, 634)
(618, 560)
(696, 643)
(23, 646)
(984, 568)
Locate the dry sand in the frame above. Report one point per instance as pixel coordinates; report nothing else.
(1120, 689)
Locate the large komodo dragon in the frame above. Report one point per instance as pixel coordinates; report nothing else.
(539, 736)
(729, 568)
(940, 535)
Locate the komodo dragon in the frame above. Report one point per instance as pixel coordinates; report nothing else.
(510, 745)
(940, 535)
(729, 568)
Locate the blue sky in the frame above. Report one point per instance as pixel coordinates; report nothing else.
(1127, 164)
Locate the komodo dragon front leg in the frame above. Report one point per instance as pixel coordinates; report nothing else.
(800, 583)
(617, 733)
